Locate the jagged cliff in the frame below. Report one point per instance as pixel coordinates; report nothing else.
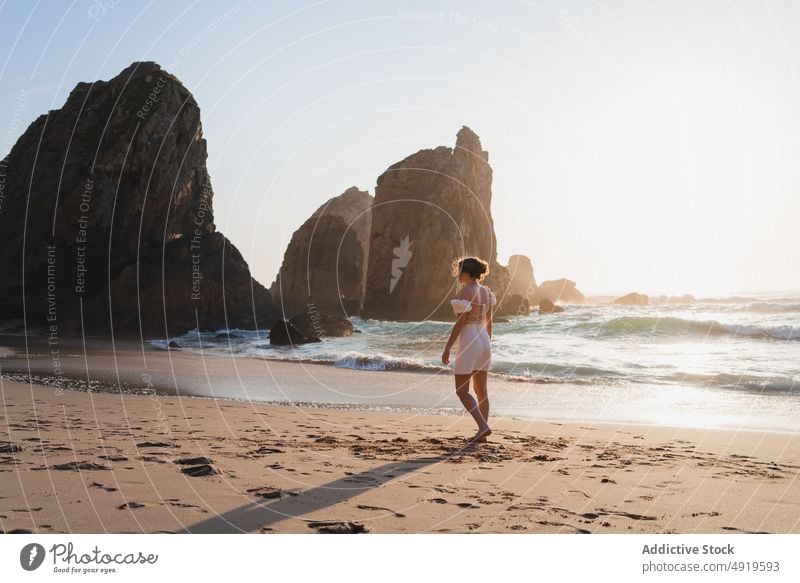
(430, 208)
(108, 224)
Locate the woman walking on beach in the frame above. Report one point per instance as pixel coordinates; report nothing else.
(473, 330)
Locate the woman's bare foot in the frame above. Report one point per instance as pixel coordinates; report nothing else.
(481, 436)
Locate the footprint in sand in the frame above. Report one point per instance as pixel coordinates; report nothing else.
(130, 505)
(197, 471)
(366, 507)
(106, 488)
(338, 527)
(177, 503)
(272, 493)
(75, 466)
(151, 458)
(155, 444)
(193, 461)
(113, 458)
(577, 529)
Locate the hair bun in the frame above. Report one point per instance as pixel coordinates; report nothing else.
(474, 266)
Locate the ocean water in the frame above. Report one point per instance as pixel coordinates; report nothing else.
(745, 350)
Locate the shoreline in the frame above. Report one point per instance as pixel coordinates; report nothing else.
(108, 388)
(143, 368)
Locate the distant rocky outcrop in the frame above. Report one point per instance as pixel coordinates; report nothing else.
(548, 307)
(315, 324)
(632, 299)
(513, 305)
(556, 290)
(430, 208)
(284, 333)
(107, 215)
(684, 299)
(325, 265)
(523, 281)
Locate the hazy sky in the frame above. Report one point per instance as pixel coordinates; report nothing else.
(636, 146)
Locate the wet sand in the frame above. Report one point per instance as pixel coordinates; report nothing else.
(85, 461)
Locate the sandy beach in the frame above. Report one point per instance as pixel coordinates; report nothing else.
(94, 461)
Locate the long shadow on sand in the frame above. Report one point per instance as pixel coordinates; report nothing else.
(256, 515)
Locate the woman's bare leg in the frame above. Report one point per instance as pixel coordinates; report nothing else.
(480, 382)
(462, 390)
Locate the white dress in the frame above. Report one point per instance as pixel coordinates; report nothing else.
(473, 345)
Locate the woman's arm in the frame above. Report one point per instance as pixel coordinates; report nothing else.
(489, 321)
(453, 335)
(456, 329)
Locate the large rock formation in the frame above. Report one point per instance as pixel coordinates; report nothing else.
(563, 290)
(325, 265)
(318, 325)
(523, 281)
(430, 208)
(107, 220)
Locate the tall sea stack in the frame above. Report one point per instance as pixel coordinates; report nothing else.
(107, 221)
(430, 208)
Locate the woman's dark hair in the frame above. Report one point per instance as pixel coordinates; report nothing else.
(474, 266)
